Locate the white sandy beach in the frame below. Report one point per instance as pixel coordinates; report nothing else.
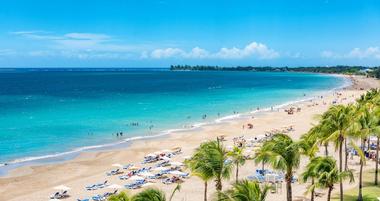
(35, 183)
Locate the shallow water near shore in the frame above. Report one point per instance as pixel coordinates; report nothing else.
(49, 114)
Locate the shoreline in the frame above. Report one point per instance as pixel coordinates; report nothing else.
(90, 167)
(65, 156)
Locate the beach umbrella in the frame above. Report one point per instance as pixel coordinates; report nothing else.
(160, 169)
(176, 172)
(151, 155)
(165, 158)
(62, 188)
(135, 178)
(146, 174)
(174, 163)
(117, 165)
(134, 168)
(114, 186)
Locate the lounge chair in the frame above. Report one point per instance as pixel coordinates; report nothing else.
(64, 194)
(86, 199)
(56, 195)
(98, 198)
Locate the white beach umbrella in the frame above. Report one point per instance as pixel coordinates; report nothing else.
(160, 169)
(174, 163)
(62, 188)
(115, 186)
(117, 165)
(165, 158)
(146, 174)
(176, 172)
(151, 155)
(136, 178)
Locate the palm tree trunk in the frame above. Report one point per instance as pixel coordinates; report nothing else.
(377, 160)
(262, 165)
(218, 184)
(205, 192)
(237, 172)
(288, 178)
(360, 195)
(329, 193)
(326, 149)
(340, 166)
(345, 155)
(312, 190)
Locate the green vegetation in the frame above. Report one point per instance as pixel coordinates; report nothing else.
(244, 191)
(238, 159)
(370, 191)
(351, 70)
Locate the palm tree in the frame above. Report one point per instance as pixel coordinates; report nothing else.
(337, 120)
(328, 173)
(123, 196)
(311, 173)
(211, 158)
(177, 188)
(309, 148)
(238, 158)
(371, 100)
(217, 158)
(283, 154)
(150, 194)
(244, 191)
(200, 168)
(367, 123)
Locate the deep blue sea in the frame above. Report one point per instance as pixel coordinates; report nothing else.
(50, 112)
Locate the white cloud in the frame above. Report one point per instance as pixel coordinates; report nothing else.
(79, 45)
(167, 53)
(253, 49)
(356, 53)
(96, 45)
(371, 52)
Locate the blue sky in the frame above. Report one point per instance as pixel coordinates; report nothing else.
(149, 33)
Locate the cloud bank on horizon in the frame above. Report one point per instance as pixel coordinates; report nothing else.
(151, 34)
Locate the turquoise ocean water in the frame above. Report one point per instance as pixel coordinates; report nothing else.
(49, 113)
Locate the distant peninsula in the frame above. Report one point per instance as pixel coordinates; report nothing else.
(350, 70)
